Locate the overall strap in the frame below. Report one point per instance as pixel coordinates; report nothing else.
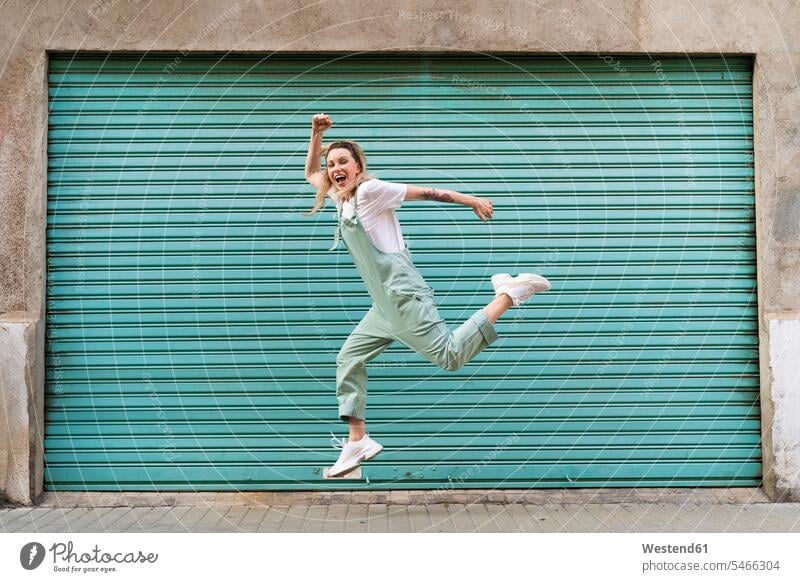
(337, 233)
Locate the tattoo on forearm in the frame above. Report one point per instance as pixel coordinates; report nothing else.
(432, 194)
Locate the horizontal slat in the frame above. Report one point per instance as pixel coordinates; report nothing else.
(266, 176)
(502, 215)
(313, 483)
(471, 280)
(235, 250)
(297, 195)
(300, 370)
(233, 346)
(62, 209)
(308, 329)
(104, 97)
(287, 296)
(410, 425)
(145, 268)
(484, 441)
(433, 132)
(439, 411)
(600, 383)
(706, 299)
(260, 476)
(448, 398)
(538, 313)
(256, 456)
(257, 233)
(276, 296)
(312, 356)
(464, 102)
(596, 115)
(259, 161)
(62, 153)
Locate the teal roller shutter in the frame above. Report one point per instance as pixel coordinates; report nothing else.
(194, 314)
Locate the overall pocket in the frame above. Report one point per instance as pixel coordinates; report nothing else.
(415, 306)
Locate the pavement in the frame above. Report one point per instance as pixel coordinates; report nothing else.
(660, 510)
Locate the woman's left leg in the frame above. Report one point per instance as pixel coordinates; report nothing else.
(497, 307)
(419, 326)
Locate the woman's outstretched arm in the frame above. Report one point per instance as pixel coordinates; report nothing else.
(319, 123)
(481, 206)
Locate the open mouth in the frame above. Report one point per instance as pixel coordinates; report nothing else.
(340, 178)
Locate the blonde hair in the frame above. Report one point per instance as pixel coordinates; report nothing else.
(326, 184)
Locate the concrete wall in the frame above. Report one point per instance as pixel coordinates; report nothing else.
(767, 29)
(21, 396)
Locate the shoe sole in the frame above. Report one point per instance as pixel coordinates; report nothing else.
(371, 454)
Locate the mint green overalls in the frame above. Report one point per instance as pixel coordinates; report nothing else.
(403, 309)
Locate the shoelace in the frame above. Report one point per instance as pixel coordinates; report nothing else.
(338, 443)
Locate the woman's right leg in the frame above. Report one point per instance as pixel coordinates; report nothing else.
(358, 428)
(367, 341)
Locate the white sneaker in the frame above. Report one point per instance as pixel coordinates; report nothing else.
(519, 288)
(353, 452)
(499, 279)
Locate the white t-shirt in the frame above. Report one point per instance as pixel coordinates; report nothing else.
(377, 201)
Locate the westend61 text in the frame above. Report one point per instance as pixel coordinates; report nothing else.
(670, 549)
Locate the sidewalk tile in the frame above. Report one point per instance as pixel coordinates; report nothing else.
(357, 517)
(273, 519)
(294, 519)
(483, 521)
(378, 518)
(336, 520)
(315, 518)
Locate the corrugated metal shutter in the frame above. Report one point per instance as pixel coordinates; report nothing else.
(194, 315)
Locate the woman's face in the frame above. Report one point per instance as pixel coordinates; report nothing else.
(342, 168)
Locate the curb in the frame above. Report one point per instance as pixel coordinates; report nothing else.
(678, 496)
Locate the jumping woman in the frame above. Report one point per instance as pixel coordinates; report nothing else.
(403, 305)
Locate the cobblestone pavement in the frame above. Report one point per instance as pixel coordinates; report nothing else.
(390, 517)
